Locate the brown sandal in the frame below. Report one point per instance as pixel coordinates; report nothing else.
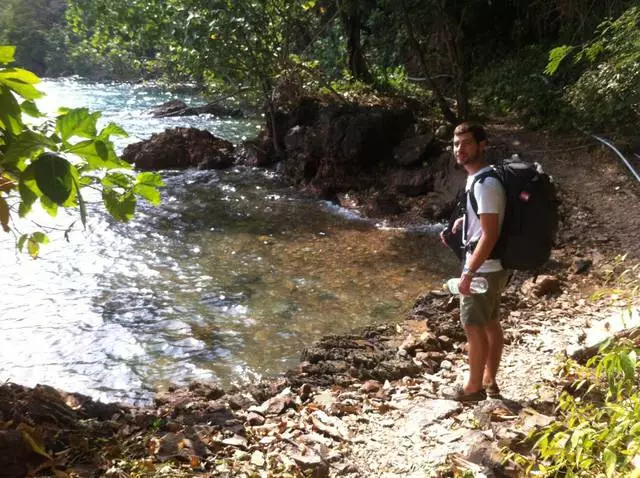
(493, 391)
(459, 395)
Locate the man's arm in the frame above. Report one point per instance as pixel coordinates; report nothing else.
(490, 225)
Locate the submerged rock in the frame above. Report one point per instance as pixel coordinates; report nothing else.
(180, 108)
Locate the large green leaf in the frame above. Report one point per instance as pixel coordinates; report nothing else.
(6, 54)
(29, 107)
(120, 206)
(10, 113)
(53, 176)
(21, 81)
(77, 122)
(24, 146)
(98, 155)
(150, 179)
(112, 129)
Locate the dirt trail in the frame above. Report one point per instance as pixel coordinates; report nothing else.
(601, 219)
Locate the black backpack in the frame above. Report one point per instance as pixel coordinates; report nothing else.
(531, 215)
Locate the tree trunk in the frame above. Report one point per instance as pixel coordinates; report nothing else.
(350, 15)
(449, 115)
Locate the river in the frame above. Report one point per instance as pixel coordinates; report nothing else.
(227, 280)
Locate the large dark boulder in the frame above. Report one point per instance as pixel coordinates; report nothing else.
(180, 148)
(180, 108)
(339, 146)
(413, 151)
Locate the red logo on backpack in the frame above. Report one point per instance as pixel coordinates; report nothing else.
(524, 196)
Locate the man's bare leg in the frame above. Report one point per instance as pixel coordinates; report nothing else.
(495, 341)
(478, 353)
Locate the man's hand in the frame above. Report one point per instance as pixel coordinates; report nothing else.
(457, 224)
(465, 284)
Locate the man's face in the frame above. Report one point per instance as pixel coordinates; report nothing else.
(466, 149)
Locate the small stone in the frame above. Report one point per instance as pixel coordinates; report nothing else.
(257, 459)
(254, 419)
(312, 465)
(446, 365)
(371, 386)
(304, 392)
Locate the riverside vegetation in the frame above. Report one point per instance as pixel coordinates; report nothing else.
(546, 64)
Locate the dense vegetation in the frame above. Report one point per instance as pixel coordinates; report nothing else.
(456, 57)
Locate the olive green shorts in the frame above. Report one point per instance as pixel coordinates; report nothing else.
(479, 309)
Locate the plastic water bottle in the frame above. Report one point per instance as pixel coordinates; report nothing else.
(479, 285)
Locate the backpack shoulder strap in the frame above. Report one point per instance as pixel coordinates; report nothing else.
(480, 179)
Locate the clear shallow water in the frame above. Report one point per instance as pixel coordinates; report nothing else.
(227, 280)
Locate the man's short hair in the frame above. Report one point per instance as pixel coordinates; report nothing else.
(478, 132)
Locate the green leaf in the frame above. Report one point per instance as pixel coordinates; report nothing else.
(150, 193)
(77, 122)
(53, 176)
(10, 113)
(610, 460)
(21, 81)
(628, 366)
(112, 129)
(555, 58)
(150, 179)
(81, 203)
(97, 155)
(25, 146)
(7, 54)
(121, 206)
(120, 180)
(21, 241)
(31, 109)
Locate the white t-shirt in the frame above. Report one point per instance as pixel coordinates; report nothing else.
(491, 199)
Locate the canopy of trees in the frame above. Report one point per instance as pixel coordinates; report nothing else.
(490, 55)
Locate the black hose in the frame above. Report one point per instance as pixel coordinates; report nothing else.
(627, 163)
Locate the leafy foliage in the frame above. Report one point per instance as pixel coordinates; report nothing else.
(52, 163)
(607, 92)
(597, 430)
(593, 438)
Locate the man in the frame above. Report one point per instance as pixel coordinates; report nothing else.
(479, 312)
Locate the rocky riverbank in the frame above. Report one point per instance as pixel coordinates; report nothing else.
(365, 404)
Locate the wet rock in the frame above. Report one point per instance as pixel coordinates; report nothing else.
(336, 146)
(413, 151)
(206, 390)
(540, 286)
(381, 205)
(255, 153)
(180, 148)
